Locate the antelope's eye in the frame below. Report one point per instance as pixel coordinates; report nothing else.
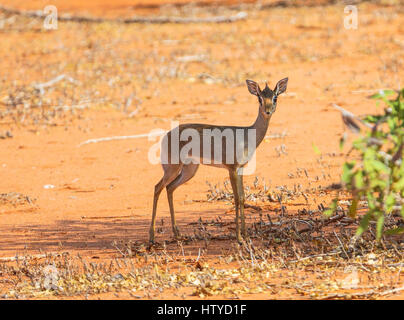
(274, 99)
(260, 100)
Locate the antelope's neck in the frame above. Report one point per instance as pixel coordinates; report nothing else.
(261, 126)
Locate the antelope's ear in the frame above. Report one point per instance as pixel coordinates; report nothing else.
(253, 87)
(281, 86)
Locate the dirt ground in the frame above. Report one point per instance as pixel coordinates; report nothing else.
(58, 196)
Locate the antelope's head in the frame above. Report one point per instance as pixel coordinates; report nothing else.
(267, 98)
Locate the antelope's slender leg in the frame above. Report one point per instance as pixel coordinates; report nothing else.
(240, 191)
(170, 173)
(234, 183)
(187, 173)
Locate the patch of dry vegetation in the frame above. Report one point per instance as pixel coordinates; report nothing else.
(287, 253)
(15, 199)
(337, 270)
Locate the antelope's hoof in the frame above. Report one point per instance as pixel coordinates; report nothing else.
(177, 234)
(154, 245)
(151, 240)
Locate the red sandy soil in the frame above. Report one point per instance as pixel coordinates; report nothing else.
(114, 8)
(103, 191)
(137, 7)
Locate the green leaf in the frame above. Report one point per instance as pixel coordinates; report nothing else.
(316, 149)
(391, 123)
(368, 165)
(364, 224)
(390, 201)
(379, 226)
(394, 231)
(388, 92)
(347, 172)
(377, 183)
(382, 93)
(399, 185)
(371, 201)
(380, 166)
(359, 183)
(332, 208)
(342, 141)
(372, 118)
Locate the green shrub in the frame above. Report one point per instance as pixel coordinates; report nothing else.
(377, 173)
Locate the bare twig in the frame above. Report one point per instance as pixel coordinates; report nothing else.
(156, 20)
(38, 256)
(369, 91)
(348, 117)
(143, 135)
(315, 256)
(362, 294)
(41, 86)
(323, 223)
(341, 245)
(385, 293)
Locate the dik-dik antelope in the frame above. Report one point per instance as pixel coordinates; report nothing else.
(233, 157)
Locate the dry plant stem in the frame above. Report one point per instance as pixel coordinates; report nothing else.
(38, 256)
(315, 256)
(323, 224)
(42, 86)
(369, 91)
(350, 114)
(362, 294)
(136, 136)
(156, 20)
(341, 245)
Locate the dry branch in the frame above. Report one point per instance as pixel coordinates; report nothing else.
(323, 223)
(348, 118)
(362, 294)
(156, 20)
(38, 256)
(143, 135)
(41, 86)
